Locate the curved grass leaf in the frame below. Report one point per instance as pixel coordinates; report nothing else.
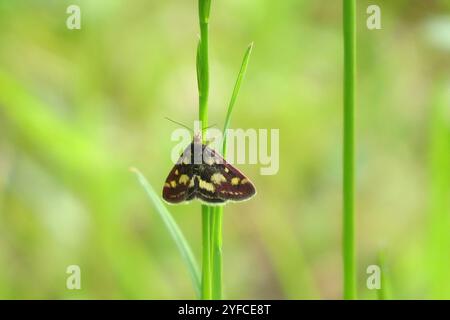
(173, 229)
(217, 212)
(234, 95)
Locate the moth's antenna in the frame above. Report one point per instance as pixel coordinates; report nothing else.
(180, 124)
(214, 125)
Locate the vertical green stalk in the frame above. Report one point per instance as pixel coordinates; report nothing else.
(203, 63)
(216, 249)
(206, 254)
(349, 26)
(212, 216)
(439, 188)
(384, 293)
(203, 93)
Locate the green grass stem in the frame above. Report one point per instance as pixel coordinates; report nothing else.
(203, 94)
(217, 288)
(203, 62)
(384, 293)
(206, 253)
(439, 189)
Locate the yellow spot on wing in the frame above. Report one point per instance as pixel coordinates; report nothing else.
(166, 185)
(191, 184)
(244, 181)
(227, 170)
(235, 181)
(173, 183)
(218, 178)
(206, 185)
(184, 179)
(176, 172)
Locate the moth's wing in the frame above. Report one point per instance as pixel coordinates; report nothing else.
(237, 186)
(212, 201)
(191, 194)
(206, 190)
(178, 186)
(229, 183)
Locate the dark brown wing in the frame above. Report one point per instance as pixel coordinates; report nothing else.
(237, 186)
(229, 183)
(176, 187)
(179, 183)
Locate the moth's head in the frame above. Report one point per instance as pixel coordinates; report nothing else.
(198, 137)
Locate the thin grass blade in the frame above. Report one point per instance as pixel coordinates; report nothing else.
(174, 230)
(234, 95)
(217, 212)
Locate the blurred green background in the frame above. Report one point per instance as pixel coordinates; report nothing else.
(79, 107)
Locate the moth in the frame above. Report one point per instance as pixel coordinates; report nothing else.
(202, 173)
